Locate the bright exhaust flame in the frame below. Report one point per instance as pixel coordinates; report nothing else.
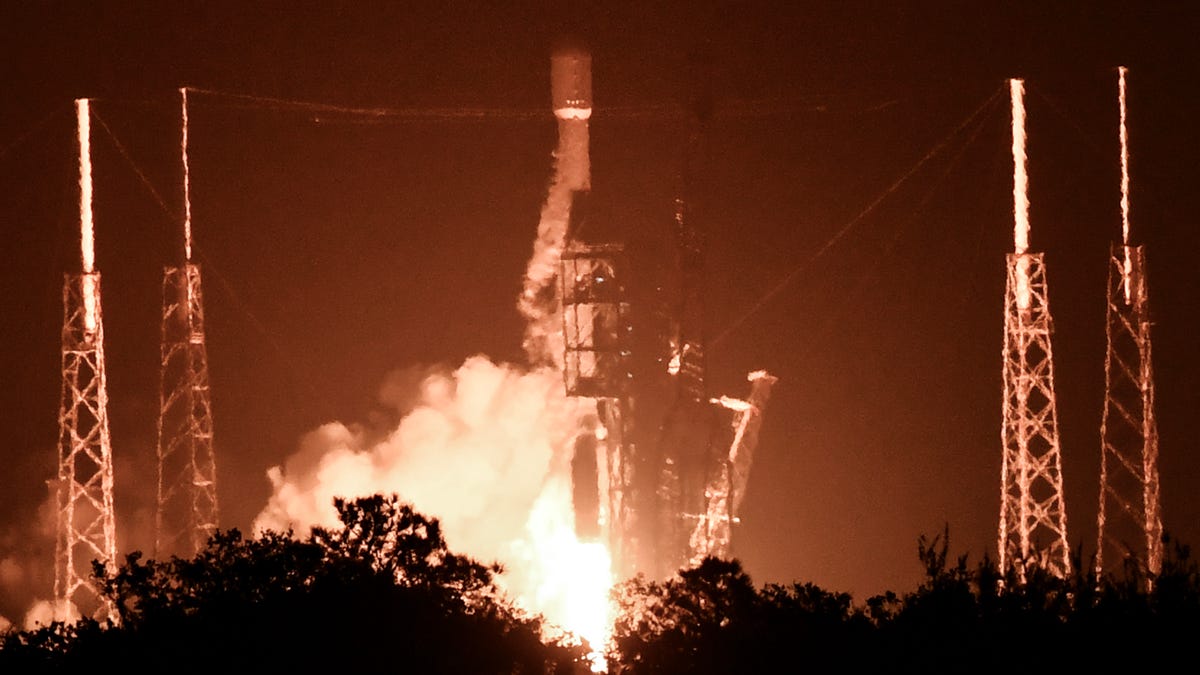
(86, 228)
(1128, 267)
(1020, 191)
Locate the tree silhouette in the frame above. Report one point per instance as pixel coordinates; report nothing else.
(381, 593)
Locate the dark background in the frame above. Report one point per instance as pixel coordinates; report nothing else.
(339, 248)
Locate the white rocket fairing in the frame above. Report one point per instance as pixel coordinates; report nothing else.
(571, 83)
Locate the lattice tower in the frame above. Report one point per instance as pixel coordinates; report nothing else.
(1033, 517)
(596, 366)
(86, 524)
(1130, 517)
(187, 513)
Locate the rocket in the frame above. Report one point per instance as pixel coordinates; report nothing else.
(571, 97)
(571, 83)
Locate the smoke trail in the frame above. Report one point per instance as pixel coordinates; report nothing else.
(1020, 191)
(539, 302)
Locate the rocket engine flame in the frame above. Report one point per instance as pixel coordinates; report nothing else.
(488, 448)
(1020, 190)
(86, 229)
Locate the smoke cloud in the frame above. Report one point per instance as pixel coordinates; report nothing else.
(486, 449)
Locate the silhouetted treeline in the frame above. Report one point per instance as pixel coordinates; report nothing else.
(383, 593)
(962, 618)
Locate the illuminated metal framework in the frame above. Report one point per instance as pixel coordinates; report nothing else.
(1033, 517)
(729, 473)
(187, 483)
(1130, 518)
(597, 366)
(86, 528)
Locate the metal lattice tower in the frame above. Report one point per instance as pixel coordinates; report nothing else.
(729, 475)
(1033, 516)
(1130, 517)
(596, 366)
(86, 526)
(187, 474)
(187, 481)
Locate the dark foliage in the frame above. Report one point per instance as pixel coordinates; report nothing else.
(380, 594)
(383, 593)
(961, 618)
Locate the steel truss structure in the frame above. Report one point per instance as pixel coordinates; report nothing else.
(86, 527)
(1033, 516)
(597, 365)
(187, 513)
(1129, 517)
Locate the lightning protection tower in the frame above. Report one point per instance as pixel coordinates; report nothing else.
(1129, 518)
(86, 528)
(1033, 516)
(187, 478)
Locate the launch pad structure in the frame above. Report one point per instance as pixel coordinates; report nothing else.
(659, 472)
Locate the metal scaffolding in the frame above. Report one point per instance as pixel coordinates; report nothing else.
(597, 366)
(86, 528)
(187, 482)
(1033, 517)
(1130, 517)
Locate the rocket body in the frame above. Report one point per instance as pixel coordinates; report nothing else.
(571, 96)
